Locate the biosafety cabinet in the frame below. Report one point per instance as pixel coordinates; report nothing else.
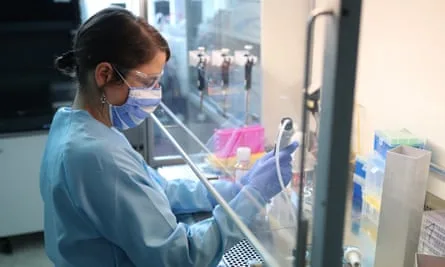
(339, 69)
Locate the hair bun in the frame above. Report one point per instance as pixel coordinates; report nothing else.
(66, 63)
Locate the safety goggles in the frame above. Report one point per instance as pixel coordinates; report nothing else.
(145, 80)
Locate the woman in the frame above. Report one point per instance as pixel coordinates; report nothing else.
(103, 205)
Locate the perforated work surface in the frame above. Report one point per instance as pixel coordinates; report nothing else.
(240, 254)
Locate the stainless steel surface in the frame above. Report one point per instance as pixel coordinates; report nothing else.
(240, 255)
(233, 216)
(406, 173)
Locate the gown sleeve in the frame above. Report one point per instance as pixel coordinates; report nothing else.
(132, 211)
(189, 196)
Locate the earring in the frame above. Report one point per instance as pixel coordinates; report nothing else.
(103, 99)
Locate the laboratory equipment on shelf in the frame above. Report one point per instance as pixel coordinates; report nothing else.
(385, 140)
(225, 76)
(246, 59)
(250, 61)
(199, 59)
(369, 181)
(359, 179)
(226, 142)
(202, 80)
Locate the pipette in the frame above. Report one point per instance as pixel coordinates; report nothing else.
(202, 80)
(225, 73)
(250, 61)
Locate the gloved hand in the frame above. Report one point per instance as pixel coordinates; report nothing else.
(247, 177)
(263, 176)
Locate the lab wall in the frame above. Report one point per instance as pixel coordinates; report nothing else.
(282, 49)
(401, 74)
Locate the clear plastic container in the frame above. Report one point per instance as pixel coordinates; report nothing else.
(309, 174)
(375, 173)
(242, 165)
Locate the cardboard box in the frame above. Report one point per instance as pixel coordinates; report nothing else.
(423, 260)
(432, 233)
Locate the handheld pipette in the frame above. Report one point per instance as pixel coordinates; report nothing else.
(225, 72)
(250, 61)
(202, 79)
(285, 135)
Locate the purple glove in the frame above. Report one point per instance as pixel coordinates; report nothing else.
(263, 176)
(246, 178)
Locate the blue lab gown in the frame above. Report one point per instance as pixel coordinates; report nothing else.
(105, 207)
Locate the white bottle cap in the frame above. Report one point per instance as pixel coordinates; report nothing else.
(243, 153)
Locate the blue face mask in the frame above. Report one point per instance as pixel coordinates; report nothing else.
(140, 103)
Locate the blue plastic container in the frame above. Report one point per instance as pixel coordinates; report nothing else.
(359, 179)
(387, 140)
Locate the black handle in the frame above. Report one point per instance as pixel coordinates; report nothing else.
(202, 81)
(225, 68)
(248, 74)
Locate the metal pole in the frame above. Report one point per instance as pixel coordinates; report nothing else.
(303, 224)
(229, 211)
(143, 9)
(184, 127)
(246, 119)
(340, 61)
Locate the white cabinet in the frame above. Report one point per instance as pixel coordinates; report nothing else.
(21, 207)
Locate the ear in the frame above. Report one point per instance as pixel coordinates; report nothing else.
(103, 74)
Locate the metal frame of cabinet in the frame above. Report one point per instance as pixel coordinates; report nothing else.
(338, 87)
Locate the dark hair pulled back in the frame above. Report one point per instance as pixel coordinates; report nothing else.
(112, 35)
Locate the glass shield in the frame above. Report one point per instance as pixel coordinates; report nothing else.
(232, 78)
